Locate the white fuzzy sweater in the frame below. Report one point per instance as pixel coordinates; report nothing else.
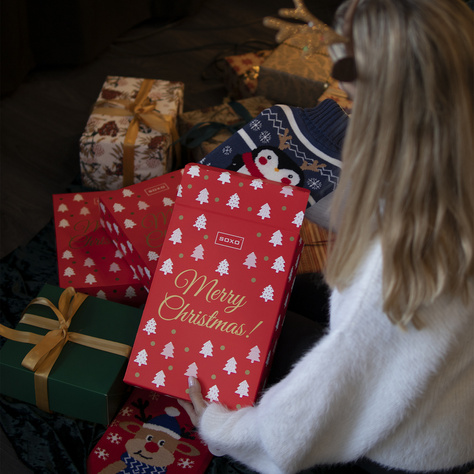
(404, 399)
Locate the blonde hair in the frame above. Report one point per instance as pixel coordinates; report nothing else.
(408, 163)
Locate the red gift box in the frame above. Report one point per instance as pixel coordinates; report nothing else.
(136, 218)
(87, 258)
(221, 287)
(152, 433)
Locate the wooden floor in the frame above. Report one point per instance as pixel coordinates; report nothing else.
(42, 120)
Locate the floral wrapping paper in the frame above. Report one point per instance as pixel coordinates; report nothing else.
(290, 77)
(223, 113)
(241, 73)
(102, 143)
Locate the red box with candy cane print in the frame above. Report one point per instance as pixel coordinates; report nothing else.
(87, 258)
(136, 218)
(221, 287)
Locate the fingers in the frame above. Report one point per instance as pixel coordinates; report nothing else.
(196, 408)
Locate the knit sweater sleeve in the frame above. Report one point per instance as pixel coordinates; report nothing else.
(345, 397)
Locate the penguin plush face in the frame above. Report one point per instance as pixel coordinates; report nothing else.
(277, 166)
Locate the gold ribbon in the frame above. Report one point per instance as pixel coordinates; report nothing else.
(142, 110)
(41, 358)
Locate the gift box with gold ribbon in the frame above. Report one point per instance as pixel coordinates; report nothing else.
(68, 354)
(130, 133)
(293, 76)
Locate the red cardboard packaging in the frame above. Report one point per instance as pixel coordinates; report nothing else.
(151, 433)
(87, 258)
(136, 218)
(221, 287)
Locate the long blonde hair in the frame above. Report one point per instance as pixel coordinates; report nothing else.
(408, 157)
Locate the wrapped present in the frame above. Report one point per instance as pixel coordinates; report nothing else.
(288, 76)
(87, 258)
(203, 130)
(68, 354)
(221, 288)
(335, 93)
(130, 133)
(241, 73)
(136, 218)
(151, 433)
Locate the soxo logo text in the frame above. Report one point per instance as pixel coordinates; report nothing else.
(229, 240)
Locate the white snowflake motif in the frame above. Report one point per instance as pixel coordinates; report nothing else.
(186, 463)
(314, 183)
(126, 411)
(255, 125)
(101, 453)
(265, 136)
(227, 150)
(114, 438)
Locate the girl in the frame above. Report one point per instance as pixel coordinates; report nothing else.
(391, 381)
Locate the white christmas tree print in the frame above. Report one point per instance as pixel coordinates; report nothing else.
(114, 267)
(140, 270)
(264, 211)
(102, 207)
(167, 266)
(130, 292)
(168, 350)
(254, 354)
(129, 245)
(291, 273)
(152, 256)
(116, 228)
(180, 191)
(78, 198)
(141, 358)
(223, 267)
(109, 226)
(201, 222)
(267, 293)
(251, 261)
(129, 224)
(194, 171)
(117, 207)
(287, 191)
(276, 238)
(167, 202)
(124, 249)
(203, 196)
(69, 272)
(150, 326)
(231, 366)
(90, 279)
(147, 273)
(206, 349)
(127, 192)
(233, 201)
(256, 184)
(88, 262)
(101, 294)
(176, 236)
(279, 264)
(192, 370)
(213, 394)
(224, 177)
(118, 254)
(159, 379)
(63, 223)
(198, 253)
(67, 254)
(63, 208)
(243, 389)
(142, 205)
(298, 220)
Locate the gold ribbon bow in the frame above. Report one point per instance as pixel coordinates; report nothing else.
(41, 358)
(142, 110)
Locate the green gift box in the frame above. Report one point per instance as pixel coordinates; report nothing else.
(84, 382)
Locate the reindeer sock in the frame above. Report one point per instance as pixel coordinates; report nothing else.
(295, 146)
